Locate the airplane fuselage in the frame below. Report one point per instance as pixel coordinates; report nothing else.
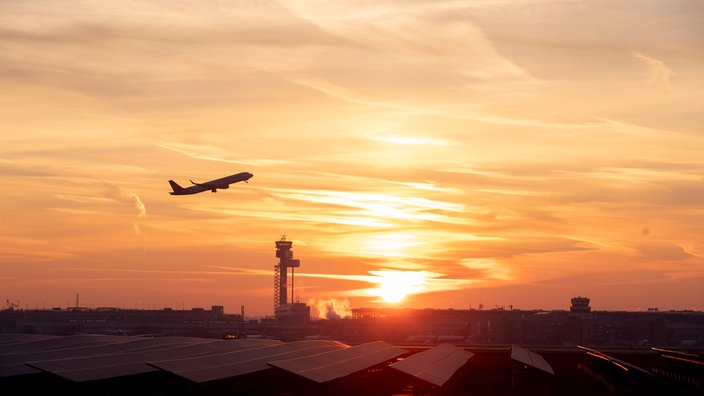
(213, 185)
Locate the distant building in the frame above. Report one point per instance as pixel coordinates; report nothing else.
(580, 305)
(295, 313)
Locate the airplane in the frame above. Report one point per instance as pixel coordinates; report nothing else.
(212, 185)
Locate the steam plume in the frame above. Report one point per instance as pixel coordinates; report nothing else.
(331, 308)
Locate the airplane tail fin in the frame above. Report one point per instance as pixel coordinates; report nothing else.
(177, 189)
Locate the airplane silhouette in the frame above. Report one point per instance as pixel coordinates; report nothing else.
(212, 185)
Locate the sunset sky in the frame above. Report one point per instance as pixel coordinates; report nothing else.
(496, 152)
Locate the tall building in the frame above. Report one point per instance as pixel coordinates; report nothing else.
(286, 261)
(287, 313)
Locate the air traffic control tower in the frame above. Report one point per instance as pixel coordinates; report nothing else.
(286, 261)
(285, 311)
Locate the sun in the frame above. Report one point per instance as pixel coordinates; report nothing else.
(394, 286)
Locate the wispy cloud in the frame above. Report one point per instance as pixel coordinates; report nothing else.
(378, 205)
(212, 153)
(411, 140)
(489, 269)
(659, 73)
(124, 195)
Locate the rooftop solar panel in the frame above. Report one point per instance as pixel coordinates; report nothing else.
(13, 357)
(15, 339)
(436, 365)
(101, 366)
(227, 365)
(331, 365)
(57, 342)
(530, 358)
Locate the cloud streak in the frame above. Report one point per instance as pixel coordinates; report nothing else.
(659, 72)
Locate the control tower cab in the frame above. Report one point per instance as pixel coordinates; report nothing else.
(580, 304)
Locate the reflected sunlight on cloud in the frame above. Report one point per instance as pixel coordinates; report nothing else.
(378, 205)
(398, 249)
(429, 186)
(389, 244)
(489, 269)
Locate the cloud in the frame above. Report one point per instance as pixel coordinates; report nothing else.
(218, 154)
(666, 252)
(659, 72)
(488, 268)
(412, 140)
(383, 206)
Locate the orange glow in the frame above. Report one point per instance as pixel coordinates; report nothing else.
(394, 286)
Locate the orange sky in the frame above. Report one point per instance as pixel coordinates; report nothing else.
(511, 152)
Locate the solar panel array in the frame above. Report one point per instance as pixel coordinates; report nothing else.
(120, 364)
(225, 365)
(83, 358)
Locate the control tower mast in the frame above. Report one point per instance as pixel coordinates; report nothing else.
(286, 261)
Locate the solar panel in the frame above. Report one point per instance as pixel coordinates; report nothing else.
(16, 339)
(331, 365)
(617, 362)
(101, 366)
(227, 365)
(43, 343)
(530, 358)
(13, 357)
(436, 365)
